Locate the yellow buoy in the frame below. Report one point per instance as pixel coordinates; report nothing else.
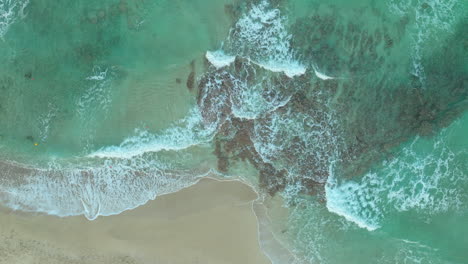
(36, 144)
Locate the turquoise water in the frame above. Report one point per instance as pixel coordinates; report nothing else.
(352, 114)
(54, 77)
(415, 204)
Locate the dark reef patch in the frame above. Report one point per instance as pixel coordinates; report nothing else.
(191, 77)
(352, 122)
(191, 80)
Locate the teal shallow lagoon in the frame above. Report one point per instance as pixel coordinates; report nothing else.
(87, 55)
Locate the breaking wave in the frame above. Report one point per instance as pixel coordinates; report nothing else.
(261, 35)
(183, 134)
(96, 190)
(422, 177)
(116, 178)
(219, 59)
(257, 102)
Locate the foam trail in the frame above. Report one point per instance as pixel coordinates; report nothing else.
(428, 25)
(219, 59)
(45, 122)
(98, 94)
(185, 133)
(321, 75)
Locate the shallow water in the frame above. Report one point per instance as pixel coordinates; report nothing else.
(354, 113)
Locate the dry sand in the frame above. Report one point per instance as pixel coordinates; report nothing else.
(211, 222)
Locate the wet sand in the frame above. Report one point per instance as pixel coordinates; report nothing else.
(211, 222)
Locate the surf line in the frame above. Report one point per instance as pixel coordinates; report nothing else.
(219, 59)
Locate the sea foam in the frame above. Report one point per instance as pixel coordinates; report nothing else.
(261, 36)
(185, 133)
(219, 59)
(106, 189)
(438, 17)
(350, 200)
(97, 96)
(115, 178)
(10, 10)
(322, 75)
(255, 100)
(427, 182)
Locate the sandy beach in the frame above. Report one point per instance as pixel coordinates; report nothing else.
(210, 222)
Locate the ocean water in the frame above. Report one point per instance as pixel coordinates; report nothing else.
(347, 117)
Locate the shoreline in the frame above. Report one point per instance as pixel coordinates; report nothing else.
(187, 225)
(275, 251)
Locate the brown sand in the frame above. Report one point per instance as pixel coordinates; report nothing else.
(211, 222)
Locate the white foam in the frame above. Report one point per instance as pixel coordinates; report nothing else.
(299, 143)
(184, 134)
(251, 101)
(359, 221)
(98, 74)
(440, 16)
(346, 200)
(416, 243)
(290, 68)
(261, 35)
(102, 190)
(321, 75)
(97, 96)
(45, 121)
(433, 179)
(437, 18)
(10, 10)
(428, 183)
(219, 59)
